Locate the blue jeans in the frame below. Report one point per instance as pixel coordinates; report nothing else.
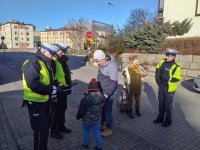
(96, 132)
(107, 116)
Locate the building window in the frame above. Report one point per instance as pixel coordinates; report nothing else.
(15, 27)
(16, 38)
(27, 33)
(16, 44)
(22, 39)
(197, 13)
(27, 28)
(28, 44)
(15, 33)
(27, 39)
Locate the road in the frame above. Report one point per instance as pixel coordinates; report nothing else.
(139, 133)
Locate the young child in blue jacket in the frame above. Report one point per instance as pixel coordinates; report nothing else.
(90, 110)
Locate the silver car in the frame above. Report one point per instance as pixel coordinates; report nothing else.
(196, 85)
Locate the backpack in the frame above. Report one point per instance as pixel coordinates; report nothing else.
(122, 101)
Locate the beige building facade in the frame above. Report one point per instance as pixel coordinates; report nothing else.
(53, 36)
(18, 35)
(178, 10)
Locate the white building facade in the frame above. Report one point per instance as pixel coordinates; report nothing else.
(178, 10)
(18, 35)
(53, 36)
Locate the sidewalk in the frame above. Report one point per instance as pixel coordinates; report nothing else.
(128, 134)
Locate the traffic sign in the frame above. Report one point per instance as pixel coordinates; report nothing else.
(89, 41)
(88, 34)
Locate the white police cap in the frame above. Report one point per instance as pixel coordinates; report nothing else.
(170, 51)
(62, 46)
(51, 48)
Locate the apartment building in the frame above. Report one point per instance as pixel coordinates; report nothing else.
(178, 10)
(18, 35)
(57, 35)
(99, 30)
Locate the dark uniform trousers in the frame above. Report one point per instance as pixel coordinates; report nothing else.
(165, 100)
(58, 109)
(39, 120)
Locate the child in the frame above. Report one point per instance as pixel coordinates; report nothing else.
(90, 110)
(133, 74)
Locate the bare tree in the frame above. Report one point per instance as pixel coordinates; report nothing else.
(77, 34)
(138, 18)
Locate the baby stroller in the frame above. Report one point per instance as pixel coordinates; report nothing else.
(122, 101)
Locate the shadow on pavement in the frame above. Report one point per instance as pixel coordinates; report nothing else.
(151, 95)
(188, 84)
(76, 62)
(10, 66)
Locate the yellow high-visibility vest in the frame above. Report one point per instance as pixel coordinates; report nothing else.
(29, 95)
(60, 74)
(172, 74)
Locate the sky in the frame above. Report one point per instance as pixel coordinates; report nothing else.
(55, 13)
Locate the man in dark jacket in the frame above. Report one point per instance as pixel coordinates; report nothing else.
(108, 78)
(63, 78)
(38, 86)
(90, 110)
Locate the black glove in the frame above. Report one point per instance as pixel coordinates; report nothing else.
(60, 87)
(56, 82)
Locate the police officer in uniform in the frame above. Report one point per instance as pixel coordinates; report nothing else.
(167, 76)
(38, 86)
(63, 78)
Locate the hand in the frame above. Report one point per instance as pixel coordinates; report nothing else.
(165, 77)
(105, 97)
(61, 86)
(56, 82)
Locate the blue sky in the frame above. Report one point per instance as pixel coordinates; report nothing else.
(55, 13)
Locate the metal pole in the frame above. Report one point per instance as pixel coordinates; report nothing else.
(112, 5)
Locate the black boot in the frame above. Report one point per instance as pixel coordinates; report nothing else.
(166, 124)
(55, 134)
(138, 112)
(130, 114)
(158, 121)
(64, 129)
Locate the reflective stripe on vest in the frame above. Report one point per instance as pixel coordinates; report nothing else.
(176, 74)
(60, 75)
(29, 95)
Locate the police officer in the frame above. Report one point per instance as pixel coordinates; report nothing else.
(167, 76)
(63, 78)
(38, 86)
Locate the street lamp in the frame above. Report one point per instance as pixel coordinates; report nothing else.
(112, 5)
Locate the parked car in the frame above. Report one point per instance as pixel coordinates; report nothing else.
(196, 85)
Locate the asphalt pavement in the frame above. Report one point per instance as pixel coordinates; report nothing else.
(139, 133)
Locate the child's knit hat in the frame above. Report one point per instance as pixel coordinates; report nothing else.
(94, 85)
